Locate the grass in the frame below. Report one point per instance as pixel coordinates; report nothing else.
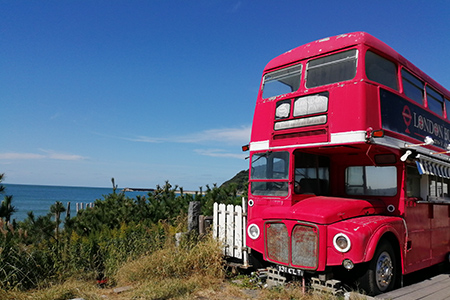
(167, 273)
(68, 290)
(174, 271)
(193, 270)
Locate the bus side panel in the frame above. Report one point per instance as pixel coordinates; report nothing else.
(418, 252)
(373, 114)
(440, 234)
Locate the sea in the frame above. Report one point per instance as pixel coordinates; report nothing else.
(39, 198)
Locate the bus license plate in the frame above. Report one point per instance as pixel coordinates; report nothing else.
(290, 271)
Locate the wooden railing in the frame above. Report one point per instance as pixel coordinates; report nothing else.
(229, 227)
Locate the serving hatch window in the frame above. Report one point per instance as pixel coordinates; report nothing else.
(282, 81)
(331, 69)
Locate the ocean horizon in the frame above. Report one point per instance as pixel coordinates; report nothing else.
(39, 198)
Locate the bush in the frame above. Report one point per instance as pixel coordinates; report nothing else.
(24, 266)
(117, 230)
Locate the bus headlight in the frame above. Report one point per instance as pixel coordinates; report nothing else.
(283, 110)
(253, 231)
(341, 242)
(311, 104)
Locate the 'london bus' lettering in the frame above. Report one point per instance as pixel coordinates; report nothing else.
(414, 122)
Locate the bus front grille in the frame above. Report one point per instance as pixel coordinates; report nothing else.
(277, 242)
(298, 248)
(304, 247)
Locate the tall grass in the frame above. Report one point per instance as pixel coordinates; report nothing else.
(166, 273)
(174, 271)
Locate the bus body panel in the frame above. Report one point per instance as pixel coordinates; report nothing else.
(366, 232)
(428, 234)
(324, 210)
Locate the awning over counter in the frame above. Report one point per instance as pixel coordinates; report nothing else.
(429, 166)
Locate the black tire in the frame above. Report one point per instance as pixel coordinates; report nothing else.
(382, 272)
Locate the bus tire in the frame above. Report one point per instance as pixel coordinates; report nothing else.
(382, 271)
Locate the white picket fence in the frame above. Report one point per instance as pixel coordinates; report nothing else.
(229, 227)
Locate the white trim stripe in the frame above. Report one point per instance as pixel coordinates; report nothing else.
(347, 137)
(262, 145)
(335, 138)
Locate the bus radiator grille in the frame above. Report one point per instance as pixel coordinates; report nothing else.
(304, 247)
(299, 250)
(277, 242)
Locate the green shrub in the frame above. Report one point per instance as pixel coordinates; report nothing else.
(117, 230)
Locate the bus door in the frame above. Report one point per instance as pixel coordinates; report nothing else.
(418, 221)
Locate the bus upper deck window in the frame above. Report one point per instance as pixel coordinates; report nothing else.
(412, 87)
(435, 101)
(331, 69)
(282, 81)
(381, 70)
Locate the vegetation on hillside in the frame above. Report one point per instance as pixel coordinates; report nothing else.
(40, 251)
(240, 180)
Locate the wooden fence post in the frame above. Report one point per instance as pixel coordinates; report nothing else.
(68, 210)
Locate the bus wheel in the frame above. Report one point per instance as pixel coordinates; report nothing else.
(382, 272)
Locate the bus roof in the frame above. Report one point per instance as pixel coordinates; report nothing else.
(342, 41)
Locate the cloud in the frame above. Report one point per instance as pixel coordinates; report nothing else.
(145, 139)
(140, 139)
(61, 156)
(228, 135)
(48, 154)
(20, 156)
(240, 136)
(219, 153)
(55, 116)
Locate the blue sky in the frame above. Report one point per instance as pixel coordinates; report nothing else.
(149, 91)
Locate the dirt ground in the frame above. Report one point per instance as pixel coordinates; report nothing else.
(225, 291)
(229, 290)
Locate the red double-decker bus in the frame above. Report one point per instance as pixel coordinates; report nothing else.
(349, 164)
